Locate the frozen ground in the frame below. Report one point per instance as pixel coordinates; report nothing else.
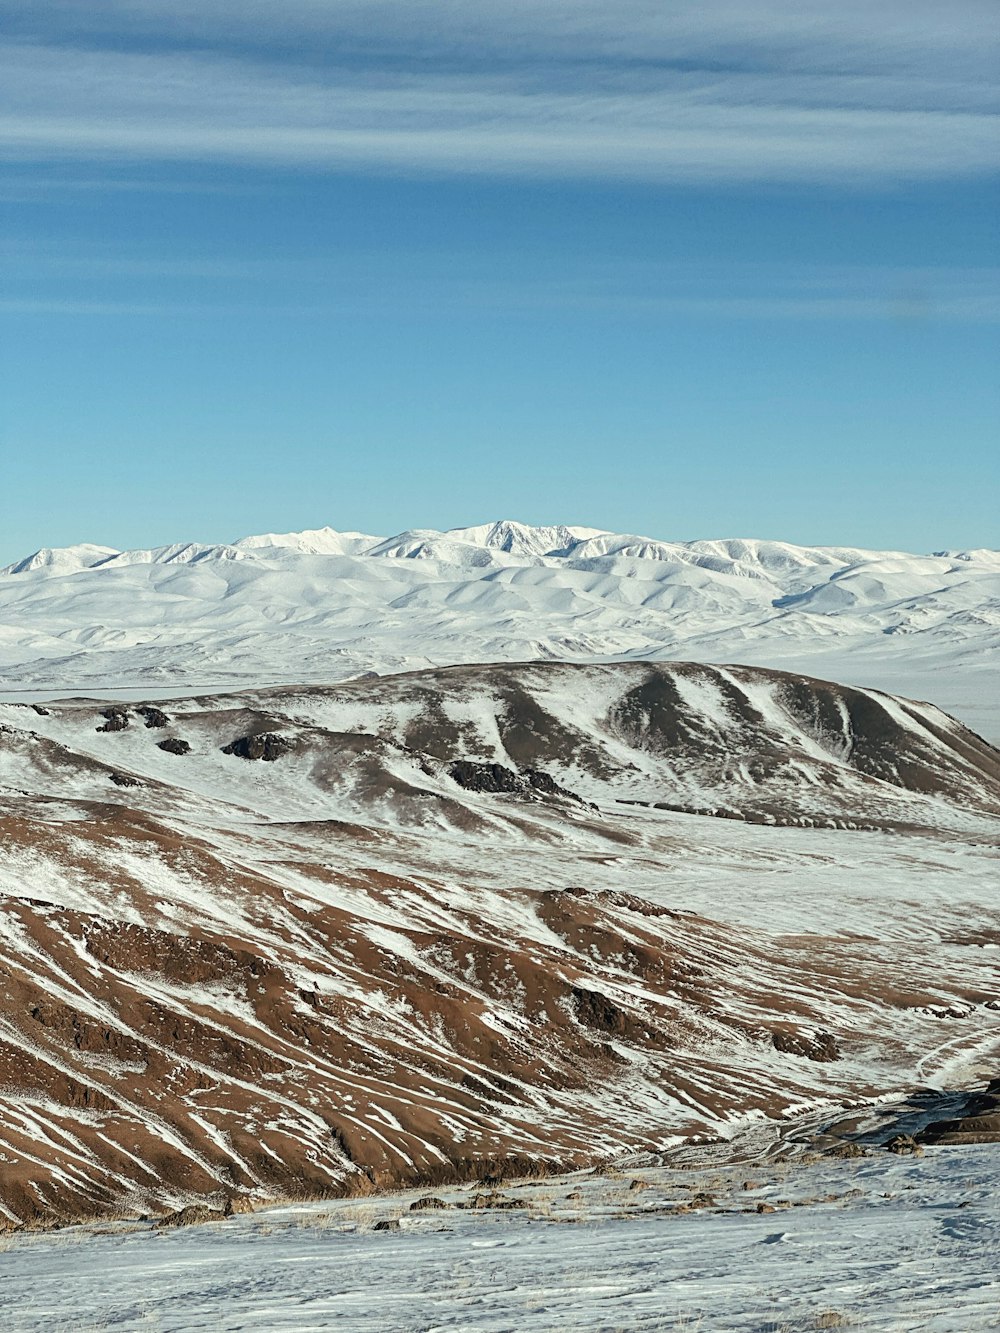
(225, 979)
(226, 976)
(877, 1243)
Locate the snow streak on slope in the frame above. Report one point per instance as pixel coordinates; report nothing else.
(323, 605)
(418, 929)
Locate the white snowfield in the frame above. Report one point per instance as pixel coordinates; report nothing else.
(325, 606)
(888, 1243)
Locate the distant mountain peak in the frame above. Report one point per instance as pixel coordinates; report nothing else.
(311, 541)
(62, 559)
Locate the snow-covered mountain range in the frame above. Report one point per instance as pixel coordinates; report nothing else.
(324, 606)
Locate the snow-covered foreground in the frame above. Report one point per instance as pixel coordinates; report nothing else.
(325, 606)
(325, 939)
(881, 1243)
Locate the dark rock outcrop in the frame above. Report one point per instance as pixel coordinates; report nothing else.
(593, 1009)
(820, 1045)
(266, 745)
(493, 778)
(174, 745)
(154, 717)
(115, 719)
(496, 779)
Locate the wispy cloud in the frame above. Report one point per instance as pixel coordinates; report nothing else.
(93, 282)
(915, 36)
(688, 92)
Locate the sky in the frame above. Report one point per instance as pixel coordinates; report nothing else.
(687, 270)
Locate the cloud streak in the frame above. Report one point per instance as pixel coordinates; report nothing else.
(759, 92)
(895, 36)
(418, 282)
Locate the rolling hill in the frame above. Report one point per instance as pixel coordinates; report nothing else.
(461, 923)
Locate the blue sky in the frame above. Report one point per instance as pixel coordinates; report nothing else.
(691, 270)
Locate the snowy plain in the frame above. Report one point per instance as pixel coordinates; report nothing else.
(883, 1242)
